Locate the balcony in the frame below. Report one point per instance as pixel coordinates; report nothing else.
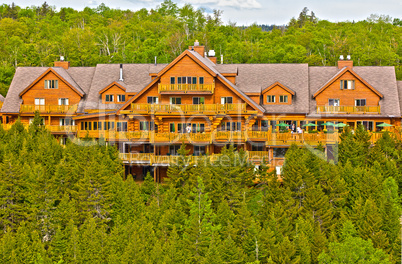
(49, 109)
(112, 135)
(348, 109)
(62, 129)
(189, 109)
(186, 88)
(181, 137)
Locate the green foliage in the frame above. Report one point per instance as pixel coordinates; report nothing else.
(73, 204)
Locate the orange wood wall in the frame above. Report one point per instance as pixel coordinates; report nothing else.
(347, 97)
(114, 90)
(277, 91)
(51, 95)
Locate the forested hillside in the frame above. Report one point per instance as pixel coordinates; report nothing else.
(37, 36)
(73, 205)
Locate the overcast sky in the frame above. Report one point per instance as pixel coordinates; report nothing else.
(246, 12)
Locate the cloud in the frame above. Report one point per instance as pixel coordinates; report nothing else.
(92, 3)
(237, 4)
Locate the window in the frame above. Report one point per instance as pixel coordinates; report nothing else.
(199, 150)
(257, 146)
(194, 80)
(231, 126)
(198, 100)
(183, 80)
(283, 98)
(109, 98)
(172, 80)
(66, 122)
(178, 80)
(144, 125)
(368, 125)
(360, 102)
(173, 149)
(108, 125)
(347, 84)
(175, 100)
(270, 98)
(120, 126)
(63, 101)
(227, 100)
(153, 100)
(333, 102)
(264, 125)
(86, 125)
(172, 128)
(121, 98)
(39, 101)
(201, 80)
(189, 80)
(279, 152)
(51, 84)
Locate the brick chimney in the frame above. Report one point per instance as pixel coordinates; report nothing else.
(197, 48)
(62, 63)
(345, 63)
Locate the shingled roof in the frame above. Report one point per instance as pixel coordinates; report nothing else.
(1, 98)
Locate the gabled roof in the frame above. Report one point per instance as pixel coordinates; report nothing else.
(280, 85)
(339, 75)
(62, 75)
(207, 65)
(381, 77)
(118, 84)
(195, 57)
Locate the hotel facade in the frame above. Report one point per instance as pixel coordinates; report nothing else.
(149, 110)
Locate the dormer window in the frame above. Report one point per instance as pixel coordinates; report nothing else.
(121, 98)
(283, 99)
(347, 84)
(270, 98)
(109, 98)
(51, 84)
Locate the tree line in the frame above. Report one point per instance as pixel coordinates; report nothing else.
(39, 35)
(74, 204)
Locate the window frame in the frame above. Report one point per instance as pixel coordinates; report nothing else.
(334, 99)
(199, 100)
(51, 84)
(40, 101)
(347, 83)
(224, 99)
(173, 100)
(109, 98)
(121, 98)
(282, 99)
(272, 99)
(360, 100)
(152, 99)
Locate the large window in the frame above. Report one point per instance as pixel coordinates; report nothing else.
(283, 98)
(153, 100)
(109, 98)
(172, 80)
(347, 84)
(368, 125)
(51, 84)
(198, 100)
(270, 98)
(145, 126)
(360, 102)
(173, 150)
(197, 127)
(227, 100)
(172, 127)
(175, 100)
(63, 101)
(231, 126)
(66, 122)
(39, 101)
(201, 80)
(333, 102)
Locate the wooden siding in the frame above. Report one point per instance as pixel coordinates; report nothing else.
(51, 96)
(347, 97)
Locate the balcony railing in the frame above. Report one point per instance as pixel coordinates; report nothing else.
(186, 88)
(181, 137)
(349, 109)
(48, 108)
(186, 108)
(62, 129)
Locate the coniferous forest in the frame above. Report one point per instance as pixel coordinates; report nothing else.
(39, 35)
(73, 204)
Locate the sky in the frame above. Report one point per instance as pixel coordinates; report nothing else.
(247, 12)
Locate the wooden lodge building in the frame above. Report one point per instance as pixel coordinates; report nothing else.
(149, 110)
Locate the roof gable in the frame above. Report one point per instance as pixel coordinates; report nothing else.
(111, 85)
(280, 85)
(55, 72)
(340, 74)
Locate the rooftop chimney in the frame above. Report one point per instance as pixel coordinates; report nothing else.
(345, 63)
(197, 48)
(121, 73)
(62, 63)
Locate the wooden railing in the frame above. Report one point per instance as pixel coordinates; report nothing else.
(48, 108)
(181, 137)
(53, 128)
(349, 109)
(186, 88)
(186, 108)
